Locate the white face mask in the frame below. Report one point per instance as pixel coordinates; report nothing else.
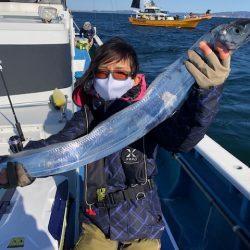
(111, 89)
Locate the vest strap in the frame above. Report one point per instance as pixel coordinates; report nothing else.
(137, 192)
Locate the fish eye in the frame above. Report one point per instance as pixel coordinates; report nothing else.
(237, 30)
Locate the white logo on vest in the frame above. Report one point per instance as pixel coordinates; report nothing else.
(131, 157)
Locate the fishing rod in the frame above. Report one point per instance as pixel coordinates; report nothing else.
(77, 27)
(18, 125)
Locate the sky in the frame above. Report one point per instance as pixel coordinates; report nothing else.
(199, 6)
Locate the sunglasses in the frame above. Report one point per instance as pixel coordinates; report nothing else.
(116, 74)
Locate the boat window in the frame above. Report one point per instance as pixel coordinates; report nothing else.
(35, 68)
(150, 11)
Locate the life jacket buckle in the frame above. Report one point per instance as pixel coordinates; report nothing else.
(111, 199)
(140, 195)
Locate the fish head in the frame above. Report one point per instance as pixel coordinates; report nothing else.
(232, 35)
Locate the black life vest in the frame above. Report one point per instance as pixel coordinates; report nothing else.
(132, 158)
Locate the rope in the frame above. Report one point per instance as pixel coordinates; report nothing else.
(77, 27)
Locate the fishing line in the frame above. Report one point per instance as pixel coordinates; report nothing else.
(94, 10)
(7, 119)
(112, 14)
(207, 223)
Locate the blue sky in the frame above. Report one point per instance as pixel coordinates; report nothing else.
(199, 6)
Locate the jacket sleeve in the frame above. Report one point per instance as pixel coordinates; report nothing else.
(73, 129)
(189, 124)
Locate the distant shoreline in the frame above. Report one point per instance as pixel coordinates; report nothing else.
(231, 14)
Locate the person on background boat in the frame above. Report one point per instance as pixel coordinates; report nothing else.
(208, 12)
(121, 207)
(192, 15)
(88, 31)
(176, 17)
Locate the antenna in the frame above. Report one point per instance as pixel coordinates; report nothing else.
(18, 125)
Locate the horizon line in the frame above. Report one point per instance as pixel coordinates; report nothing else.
(168, 11)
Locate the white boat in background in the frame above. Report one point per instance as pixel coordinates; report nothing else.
(205, 194)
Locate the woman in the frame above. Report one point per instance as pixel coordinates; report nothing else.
(121, 208)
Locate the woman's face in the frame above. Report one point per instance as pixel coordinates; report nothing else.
(113, 79)
(120, 70)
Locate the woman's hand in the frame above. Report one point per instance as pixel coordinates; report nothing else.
(212, 73)
(3, 177)
(14, 175)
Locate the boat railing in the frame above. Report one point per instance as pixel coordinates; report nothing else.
(223, 179)
(207, 182)
(235, 171)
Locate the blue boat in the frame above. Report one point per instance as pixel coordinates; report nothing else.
(205, 194)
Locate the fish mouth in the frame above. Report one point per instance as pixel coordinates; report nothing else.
(248, 35)
(231, 46)
(244, 22)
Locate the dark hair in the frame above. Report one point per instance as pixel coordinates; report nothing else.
(115, 49)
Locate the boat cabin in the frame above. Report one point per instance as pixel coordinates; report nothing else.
(152, 12)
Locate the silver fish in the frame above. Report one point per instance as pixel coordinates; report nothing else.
(166, 93)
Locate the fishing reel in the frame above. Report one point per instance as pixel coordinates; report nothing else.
(15, 144)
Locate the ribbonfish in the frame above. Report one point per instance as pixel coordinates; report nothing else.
(166, 93)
